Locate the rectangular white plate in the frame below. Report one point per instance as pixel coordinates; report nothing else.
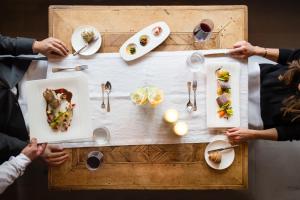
(81, 127)
(213, 119)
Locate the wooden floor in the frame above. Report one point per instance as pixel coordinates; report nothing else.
(273, 167)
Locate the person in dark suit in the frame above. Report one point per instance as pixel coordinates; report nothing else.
(279, 94)
(13, 133)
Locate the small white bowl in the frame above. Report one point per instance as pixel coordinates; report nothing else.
(78, 42)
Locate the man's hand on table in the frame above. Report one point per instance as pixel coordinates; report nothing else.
(54, 155)
(50, 46)
(34, 150)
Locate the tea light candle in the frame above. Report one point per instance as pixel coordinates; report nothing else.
(171, 116)
(181, 128)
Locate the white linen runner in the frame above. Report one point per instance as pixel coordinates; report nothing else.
(133, 125)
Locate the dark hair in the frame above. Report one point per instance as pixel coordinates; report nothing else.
(291, 105)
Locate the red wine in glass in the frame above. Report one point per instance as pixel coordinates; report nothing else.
(203, 31)
(94, 160)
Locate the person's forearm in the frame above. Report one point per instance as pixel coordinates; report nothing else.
(11, 170)
(269, 53)
(268, 134)
(15, 46)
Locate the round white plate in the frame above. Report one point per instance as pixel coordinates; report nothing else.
(227, 155)
(78, 42)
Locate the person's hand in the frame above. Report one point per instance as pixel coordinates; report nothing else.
(34, 150)
(50, 46)
(243, 50)
(239, 135)
(54, 155)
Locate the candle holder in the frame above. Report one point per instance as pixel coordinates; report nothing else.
(180, 128)
(171, 116)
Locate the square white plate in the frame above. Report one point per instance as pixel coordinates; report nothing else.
(81, 127)
(213, 119)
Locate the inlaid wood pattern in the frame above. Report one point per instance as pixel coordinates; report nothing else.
(176, 41)
(174, 166)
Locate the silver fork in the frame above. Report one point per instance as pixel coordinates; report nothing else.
(194, 89)
(76, 68)
(103, 89)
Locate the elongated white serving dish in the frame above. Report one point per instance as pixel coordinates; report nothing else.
(152, 41)
(213, 119)
(81, 127)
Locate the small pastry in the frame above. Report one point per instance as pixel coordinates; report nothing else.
(215, 157)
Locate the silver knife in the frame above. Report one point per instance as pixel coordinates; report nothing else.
(222, 149)
(215, 54)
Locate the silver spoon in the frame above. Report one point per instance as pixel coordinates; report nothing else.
(189, 105)
(108, 90)
(77, 68)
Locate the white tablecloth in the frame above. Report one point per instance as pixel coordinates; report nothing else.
(133, 125)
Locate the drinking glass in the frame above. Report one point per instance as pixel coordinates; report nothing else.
(203, 30)
(94, 160)
(101, 135)
(195, 62)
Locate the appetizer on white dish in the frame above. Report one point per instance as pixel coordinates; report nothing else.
(144, 41)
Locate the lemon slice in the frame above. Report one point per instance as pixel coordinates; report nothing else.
(155, 95)
(139, 96)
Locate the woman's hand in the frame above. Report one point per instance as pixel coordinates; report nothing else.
(50, 46)
(243, 50)
(239, 135)
(54, 155)
(34, 150)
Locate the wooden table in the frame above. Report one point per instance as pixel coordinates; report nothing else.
(180, 166)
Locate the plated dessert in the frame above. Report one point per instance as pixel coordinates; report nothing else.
(86, 39)
(215, 157)
(59, 108)
(144, 41)
(219, 159)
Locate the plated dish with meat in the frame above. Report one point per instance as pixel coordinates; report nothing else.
(223, 94)
(59, 108)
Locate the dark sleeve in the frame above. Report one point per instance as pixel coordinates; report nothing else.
(10, 146)
(291, 132)
(284, 55)
(15, 46)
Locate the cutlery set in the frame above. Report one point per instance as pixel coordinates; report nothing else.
(192, 86)
(76, 68)
(106, 88)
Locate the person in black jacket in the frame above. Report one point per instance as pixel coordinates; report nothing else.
(13, 133)
(279, 94)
